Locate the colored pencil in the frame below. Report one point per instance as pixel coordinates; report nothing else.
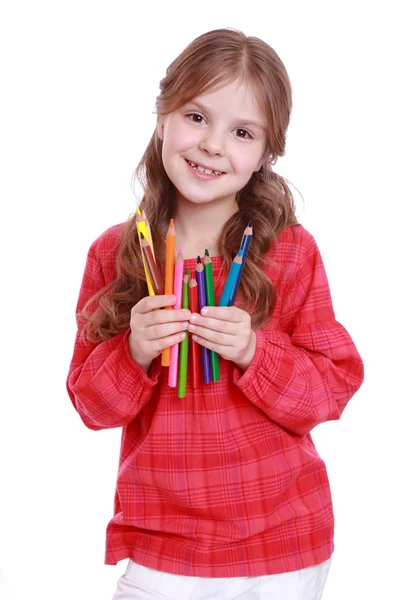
(169, 280)
(156, 278)
(184, 345)
(141, 217)
(207, 262)
(173, 363)
(246, 240)
(194, 346)
(205, 353)
(231, 279)
(148, 231)
(141, 228)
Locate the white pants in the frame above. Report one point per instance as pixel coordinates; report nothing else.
(142, 583)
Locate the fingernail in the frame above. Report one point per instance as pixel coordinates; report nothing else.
(204, 311)
(194, 318)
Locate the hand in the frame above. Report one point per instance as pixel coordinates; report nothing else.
(227, 331)
(153, 330)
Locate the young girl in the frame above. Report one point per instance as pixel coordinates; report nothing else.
(220, 494)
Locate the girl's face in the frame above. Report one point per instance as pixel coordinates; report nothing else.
(223, 130)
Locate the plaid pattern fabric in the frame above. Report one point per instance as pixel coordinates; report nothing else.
(225, 482)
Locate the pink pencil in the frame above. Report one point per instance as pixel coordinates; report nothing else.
(178, 282)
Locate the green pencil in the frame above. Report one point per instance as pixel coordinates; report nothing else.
(211, 302)
(184, 345)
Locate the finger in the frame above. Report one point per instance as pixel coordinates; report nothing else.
(156, 332)
(228, 327)
(150, 303)
(168, 341)
(225, 313)
(160, 317)
(223, 351)
(215, 337)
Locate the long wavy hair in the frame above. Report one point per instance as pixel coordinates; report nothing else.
(212, 60)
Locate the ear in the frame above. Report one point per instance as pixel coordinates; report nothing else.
(160, 127)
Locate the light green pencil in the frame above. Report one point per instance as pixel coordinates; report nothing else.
(184, 345)
(211, 302)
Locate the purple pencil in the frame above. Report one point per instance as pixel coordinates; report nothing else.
(205, 353)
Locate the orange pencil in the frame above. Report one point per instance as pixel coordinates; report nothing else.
(169, 280)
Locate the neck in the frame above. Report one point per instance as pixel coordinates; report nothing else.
(201, 225)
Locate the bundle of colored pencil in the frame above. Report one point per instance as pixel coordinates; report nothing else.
(193, 293)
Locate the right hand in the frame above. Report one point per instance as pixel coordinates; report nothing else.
(153, 330)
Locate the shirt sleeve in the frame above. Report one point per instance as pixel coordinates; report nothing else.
(106, 386)
(306, 371)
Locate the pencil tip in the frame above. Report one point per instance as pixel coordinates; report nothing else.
(179, 252)
(171, 223)
(187, 272)
(206, 252)
(250, 224)
(240, 253)
(198, 260)
(141, 236)
(138, 211)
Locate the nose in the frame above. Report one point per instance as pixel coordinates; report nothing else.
(212, 143)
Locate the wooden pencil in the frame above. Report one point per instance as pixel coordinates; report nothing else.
(184, 345)
(245, 244)
(194, 357)
(148, 230)
(141, 228)
(207, 262)
(205, 352)
(169, 280)
(152, 266)
(178, 279)
(231, 279)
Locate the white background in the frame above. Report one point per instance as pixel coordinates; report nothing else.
(79, 82)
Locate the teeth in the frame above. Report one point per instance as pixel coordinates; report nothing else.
(203, 170)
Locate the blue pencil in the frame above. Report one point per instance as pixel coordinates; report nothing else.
(246, 240)
(231, 280)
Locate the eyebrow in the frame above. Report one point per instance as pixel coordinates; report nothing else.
(243, 121)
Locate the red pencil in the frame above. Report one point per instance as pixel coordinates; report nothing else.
(194, 347)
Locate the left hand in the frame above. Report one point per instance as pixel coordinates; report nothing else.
(227, 331)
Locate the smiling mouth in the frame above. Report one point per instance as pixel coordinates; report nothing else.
(201, 169)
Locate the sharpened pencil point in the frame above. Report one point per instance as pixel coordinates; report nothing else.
(198, 260)
(206, 252)
(142, 236)
(250, 224)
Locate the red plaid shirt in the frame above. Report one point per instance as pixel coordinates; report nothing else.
(227, 481)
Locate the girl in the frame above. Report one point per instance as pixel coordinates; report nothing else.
(220, 494)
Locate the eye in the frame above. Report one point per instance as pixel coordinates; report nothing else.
(243, 133)
(196, 117)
